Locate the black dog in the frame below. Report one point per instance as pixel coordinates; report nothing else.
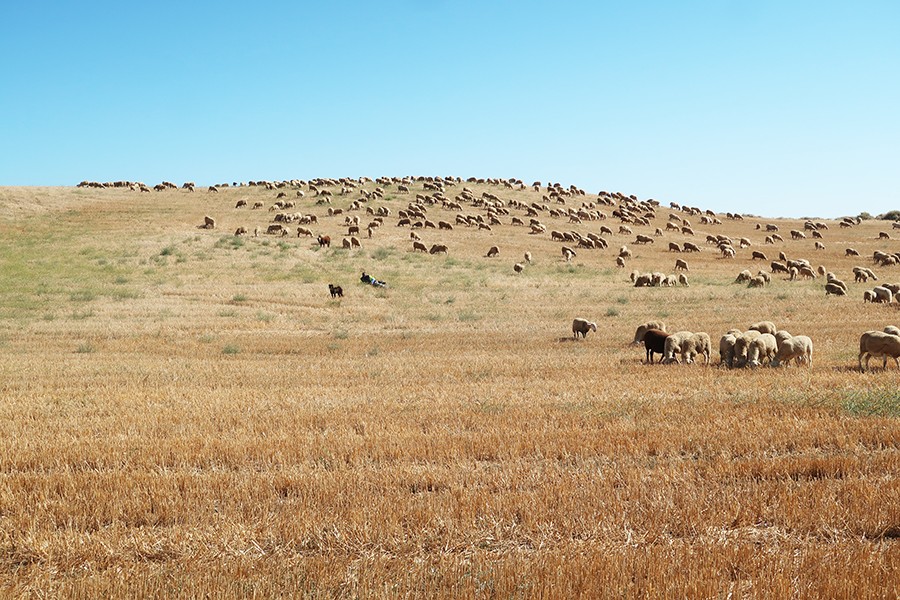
(336, 291)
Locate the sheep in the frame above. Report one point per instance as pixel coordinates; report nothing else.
(726, 348)
(681, 343)
(643, 329)
(681, 265)
(568, 253)
(758, 255)
(240, 231)
(742, 346)
(764, 327)
(494, 251)
(643, 239)
(868, 296)
(654, 342)
(764, 275)
(744, 276)
(438, 249)
(798, 348)
(833, 289)
(582, 326)
(301, 231)
(624, 252)
(691, 247)
(762, 350)
(879, 344)
(620, 262)
(700, 344)
(644, 280)
(674, 247)
(336, 291)
(850, 252)
(528, 257)
(683, 280)
(778, 267)
(757, 282)
(882, 295)
(518, 267)
(820, 246)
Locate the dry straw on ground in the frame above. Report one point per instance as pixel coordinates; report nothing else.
(185, 413)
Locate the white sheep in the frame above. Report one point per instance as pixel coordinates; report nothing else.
(683, 280)
(882, 294)
(699, 344)
(764, 327)
(879, 344)
(798, 348)
(683, 343)
(742, 347)
(582, 326)
(642, 329)
(726, 347)
(762, 350)
(744, 276)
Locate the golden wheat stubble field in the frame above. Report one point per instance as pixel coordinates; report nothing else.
(188, 413)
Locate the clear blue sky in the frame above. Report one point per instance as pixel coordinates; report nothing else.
(778, 108)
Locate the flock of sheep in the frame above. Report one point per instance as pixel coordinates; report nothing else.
(761, 344)
(484, 212)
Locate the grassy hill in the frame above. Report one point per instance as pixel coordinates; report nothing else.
(187, 412)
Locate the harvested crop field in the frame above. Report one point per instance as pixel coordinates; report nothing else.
(185, 412)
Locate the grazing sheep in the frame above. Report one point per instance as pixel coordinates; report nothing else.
(240, 231)
(743, 277)
(798, 348)
(644, 280)
(691, 247)
(762, 350)
(683, 280)
(568, 253)
(324, 241)
(528, 257)
(304, 231)
(726, 348)
(518, 267)
(764, 327)
(624, 252)
(643, 239)
(347, 244)
(757, 282)
(820, 246)
(620, 262)
(643, 329)
(868, 296)
(758, 255)
(674, 247)
(778, 267)
(883, 295)
(677, 343)
(850, 252)
(765, 276)
(438, 249)
(336, 291)
(417, 245)
(742, 346)
(833, 289)
(654, 342)
(681, 265)
(878, 344)
(582, 326)
(208, 223)
(699, 345)
(494, 251)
